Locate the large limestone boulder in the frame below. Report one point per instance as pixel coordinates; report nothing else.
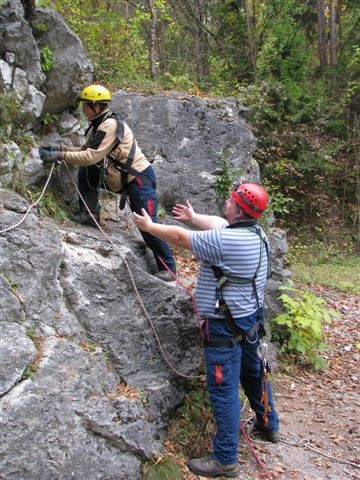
(95, 350)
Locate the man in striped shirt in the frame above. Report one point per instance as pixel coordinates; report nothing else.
(233, 251)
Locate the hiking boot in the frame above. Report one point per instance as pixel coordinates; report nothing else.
(208, 467)
(165, 275)
(84, 218)
(272, 436)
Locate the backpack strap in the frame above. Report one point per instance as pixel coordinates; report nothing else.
(125, 169)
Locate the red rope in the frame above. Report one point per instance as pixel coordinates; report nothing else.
(259, 462)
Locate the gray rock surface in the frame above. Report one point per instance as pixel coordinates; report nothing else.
(186, 137)
(22, 39)
(71, 68)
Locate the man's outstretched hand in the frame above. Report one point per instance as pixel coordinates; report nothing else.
(183, 213)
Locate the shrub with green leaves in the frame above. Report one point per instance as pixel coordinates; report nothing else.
(225, 175)
(10, 116)
(47, 61)
(299, 328)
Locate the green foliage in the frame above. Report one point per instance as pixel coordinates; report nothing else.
(49, 119)
(302, 320)
(278, 203)
(180, 81)
(47, 61)
(165, 468)
(11, 282)
(114, 43)
(50, 205)
(225, 175)
(10, 116)
(28, 372)
(31, 332)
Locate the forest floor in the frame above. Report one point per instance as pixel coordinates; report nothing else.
(319, 411)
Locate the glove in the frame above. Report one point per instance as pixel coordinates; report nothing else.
(50, 157)
(51, 148)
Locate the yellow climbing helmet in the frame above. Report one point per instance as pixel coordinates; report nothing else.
(95, 94)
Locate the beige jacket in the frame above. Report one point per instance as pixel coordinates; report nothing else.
(100, 143)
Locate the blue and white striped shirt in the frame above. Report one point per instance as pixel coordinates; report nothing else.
(237, 252)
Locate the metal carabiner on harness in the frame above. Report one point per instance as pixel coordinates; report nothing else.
(262, 351)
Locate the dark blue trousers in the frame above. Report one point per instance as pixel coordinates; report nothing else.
(226, 368)
(141, 195)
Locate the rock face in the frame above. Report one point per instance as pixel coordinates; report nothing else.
(188, 138)
(45, 86)
(71, 68)
(86, 392)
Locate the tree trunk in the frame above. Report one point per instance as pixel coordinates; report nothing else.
(250, 36)
(322, 34)
(152, 43)
(200, 38)
(332, 26)
(339, 24)
(162, 46)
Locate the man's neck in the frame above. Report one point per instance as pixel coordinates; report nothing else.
(249, 222)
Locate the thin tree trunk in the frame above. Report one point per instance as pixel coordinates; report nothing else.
(162, 46)
(322, 34)
(339, 24)
(152, 45)
(332, 25)
(250, 36)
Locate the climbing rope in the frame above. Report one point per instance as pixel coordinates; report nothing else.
(256, 456)
(12, 227)
(246, 428)
(305, 443)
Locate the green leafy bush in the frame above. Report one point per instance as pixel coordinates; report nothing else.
(47, 61)
(299, 328)
(10, 116)
(225, 175)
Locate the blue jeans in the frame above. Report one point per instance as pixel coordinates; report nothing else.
(143, 195)
(226, 367)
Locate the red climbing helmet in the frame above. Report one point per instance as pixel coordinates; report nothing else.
(251, 197)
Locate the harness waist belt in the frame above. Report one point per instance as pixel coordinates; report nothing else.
(258, 329)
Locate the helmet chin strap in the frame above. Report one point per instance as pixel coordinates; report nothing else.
(95, 110)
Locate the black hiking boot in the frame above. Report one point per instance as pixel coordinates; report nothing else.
(166, 276)
(207, 467)
(270, 435)
(84, 218)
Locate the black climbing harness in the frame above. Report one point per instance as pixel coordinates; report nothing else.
(258, 330)
(124, 169)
